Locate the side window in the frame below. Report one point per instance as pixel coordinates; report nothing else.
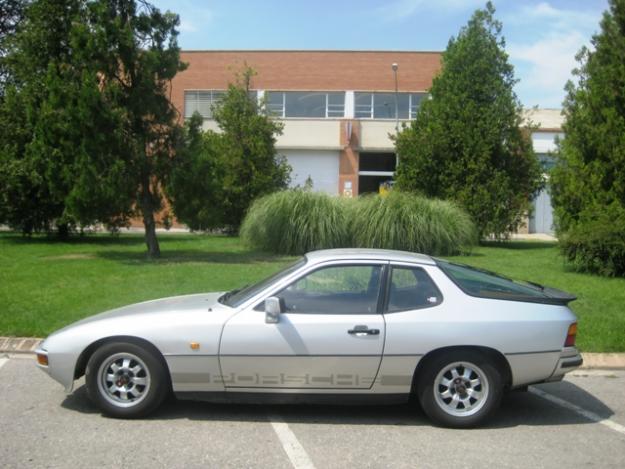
(343, 289)
(411, 288)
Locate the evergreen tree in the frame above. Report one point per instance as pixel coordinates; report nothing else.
(136, 54)
(232, 167)
(588, 182)
(97, 130)
(32, 198)
(11, 15)
(467, 143)
(194, 188)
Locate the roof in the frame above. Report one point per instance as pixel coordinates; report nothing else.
(368, 254)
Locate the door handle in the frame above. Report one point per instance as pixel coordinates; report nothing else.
(363, 330)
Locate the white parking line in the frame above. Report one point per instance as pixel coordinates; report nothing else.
(294, 450)
(3, 361)
(583, 412)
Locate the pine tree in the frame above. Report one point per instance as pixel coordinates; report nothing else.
(588, 182)
(467, 143)
(90, 106)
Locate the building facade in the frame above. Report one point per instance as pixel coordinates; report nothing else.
(549, 129)
(339, 110)
(338, 107)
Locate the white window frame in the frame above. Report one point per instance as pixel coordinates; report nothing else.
(270, 111)
(357, 106)
(413, 109)
(342, 106)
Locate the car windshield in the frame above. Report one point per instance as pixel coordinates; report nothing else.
(239, 296)
(485, 284)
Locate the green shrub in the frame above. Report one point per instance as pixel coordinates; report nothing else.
(597, 245)
(295, 222)
(410, 222)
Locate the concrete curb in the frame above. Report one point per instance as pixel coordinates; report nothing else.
(604, 361)
(19, 344)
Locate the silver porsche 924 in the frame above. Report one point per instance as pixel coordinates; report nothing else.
(346, 325)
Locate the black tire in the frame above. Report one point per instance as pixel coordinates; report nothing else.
(113, 386)
(462, 409)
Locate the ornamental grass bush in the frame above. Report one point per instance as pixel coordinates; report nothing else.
(298, 221)
(410, 222)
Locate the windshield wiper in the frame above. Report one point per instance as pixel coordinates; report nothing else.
(223, 298)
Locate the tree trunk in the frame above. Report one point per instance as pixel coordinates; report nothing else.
(147, 208)
(63, 231)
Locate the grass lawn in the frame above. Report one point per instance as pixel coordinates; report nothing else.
(46, 284)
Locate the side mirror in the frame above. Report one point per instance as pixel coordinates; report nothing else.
(273, 308)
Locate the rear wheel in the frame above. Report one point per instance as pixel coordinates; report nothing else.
(126, 381)
(459, 389)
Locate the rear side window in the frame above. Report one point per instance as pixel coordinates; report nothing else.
(411, 288)
(476, 282)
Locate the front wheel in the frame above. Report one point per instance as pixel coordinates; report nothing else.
(126, 381)
(459, 389)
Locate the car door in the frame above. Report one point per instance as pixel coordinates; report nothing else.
(330, 335)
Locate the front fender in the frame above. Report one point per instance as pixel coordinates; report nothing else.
(61, 366)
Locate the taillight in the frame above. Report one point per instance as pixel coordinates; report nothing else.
(570, 335)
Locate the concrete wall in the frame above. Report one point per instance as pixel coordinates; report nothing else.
(544, 142)
(322, 134)
(375, 135)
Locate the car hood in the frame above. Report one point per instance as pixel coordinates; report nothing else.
(184, 303)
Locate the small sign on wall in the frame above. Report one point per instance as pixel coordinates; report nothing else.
(347, 189)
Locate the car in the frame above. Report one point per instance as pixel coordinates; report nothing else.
(336, 326)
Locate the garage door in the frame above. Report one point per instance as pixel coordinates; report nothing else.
(322, 167)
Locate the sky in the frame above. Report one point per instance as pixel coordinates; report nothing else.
(542, 37)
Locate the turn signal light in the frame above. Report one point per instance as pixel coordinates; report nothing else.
(42, 359)
(570, 335)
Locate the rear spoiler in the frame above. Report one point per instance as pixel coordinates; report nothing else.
(559, 297)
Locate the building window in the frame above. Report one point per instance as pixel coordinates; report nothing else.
(382, 105)
(415, 103)
(202, 102)
(275, 103)
(313, 104)
(205, 101)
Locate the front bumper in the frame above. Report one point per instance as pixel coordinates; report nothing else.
(59, 368)
(570, 359)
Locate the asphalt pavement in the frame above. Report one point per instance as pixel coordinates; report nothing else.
(579, 422)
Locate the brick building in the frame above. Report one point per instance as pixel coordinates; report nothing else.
(338, 109)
